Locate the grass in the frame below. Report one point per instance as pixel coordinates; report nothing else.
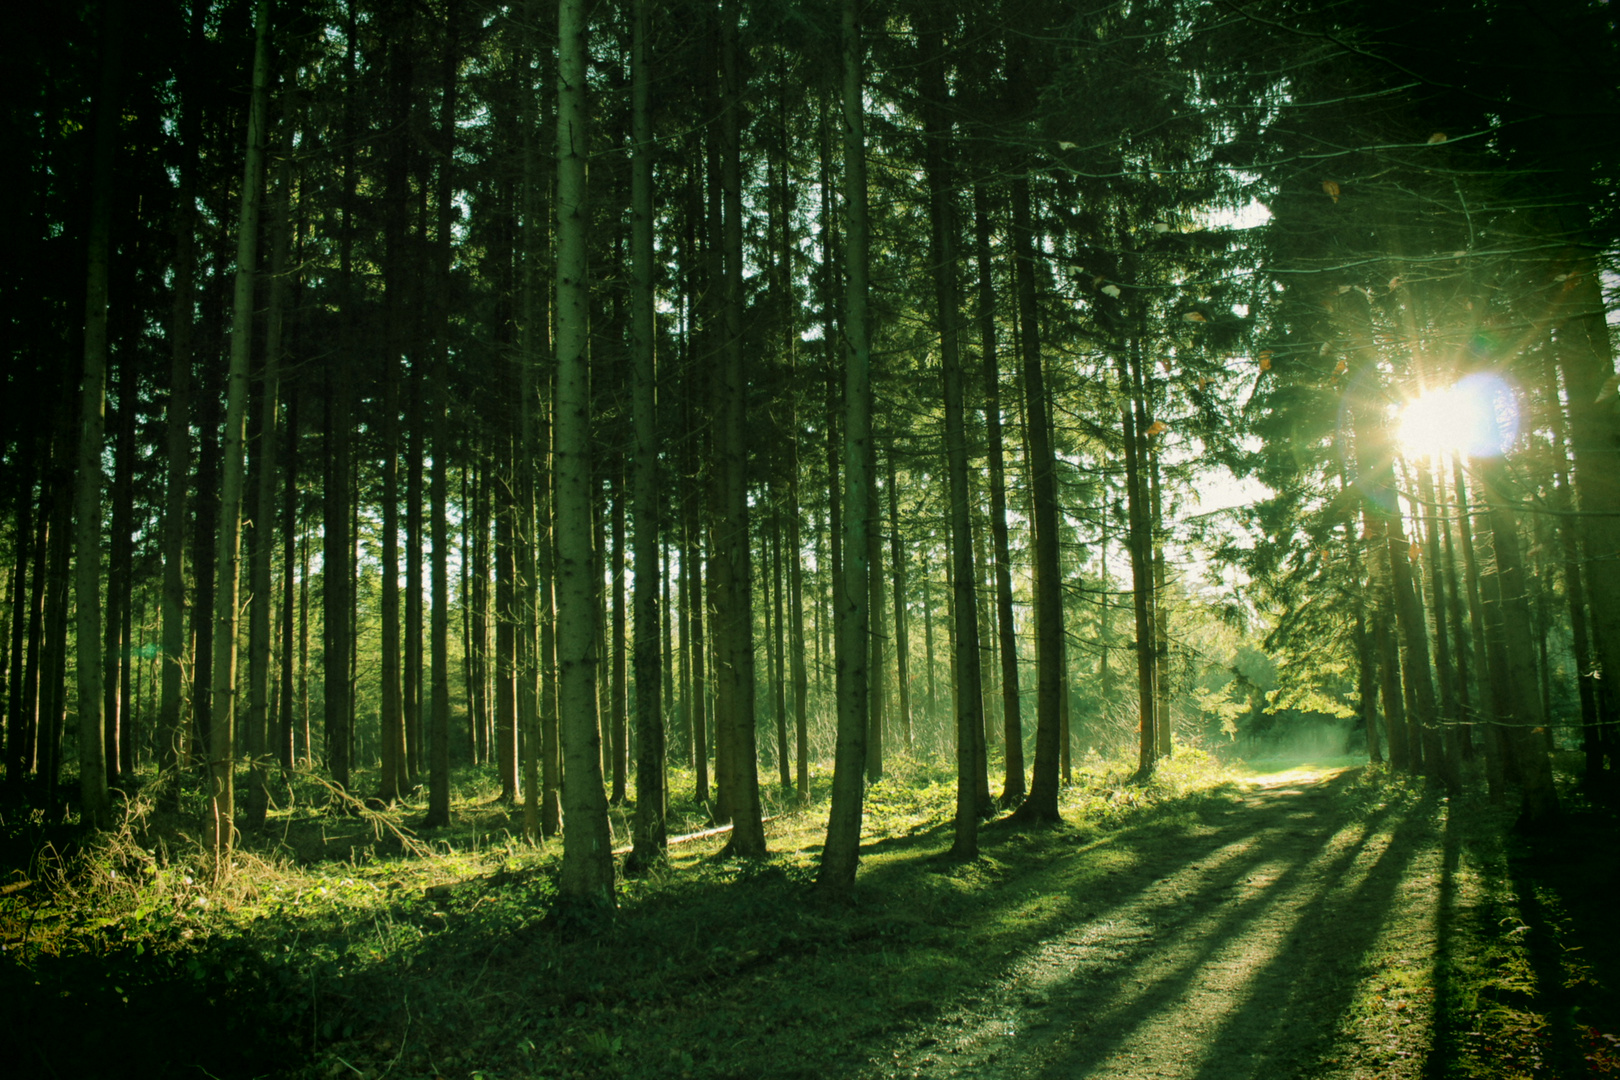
(333, 950)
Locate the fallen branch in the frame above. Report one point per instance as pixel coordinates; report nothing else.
(703, 835)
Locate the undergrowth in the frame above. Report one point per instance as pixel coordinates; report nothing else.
(347, 942)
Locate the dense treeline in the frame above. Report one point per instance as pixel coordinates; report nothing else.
(592, 390)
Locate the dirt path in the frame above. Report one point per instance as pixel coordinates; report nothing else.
(1284, 938)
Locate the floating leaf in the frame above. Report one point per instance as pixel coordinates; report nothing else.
(1066, 145)
(1265, 361)
(1342, 367)
(1394, 283)
(1414, 551)
(1203, 381)
(1111, 290)
(1161, 226)
(1158, 427)
(1165, 363)
(1332, 189)
(1437, 137)
(1194, 316)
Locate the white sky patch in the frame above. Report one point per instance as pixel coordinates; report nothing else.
(1217, 489)
(1251, 216)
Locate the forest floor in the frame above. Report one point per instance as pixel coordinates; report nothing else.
(1321, 922)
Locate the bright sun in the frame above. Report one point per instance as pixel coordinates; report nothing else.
(1479, 417)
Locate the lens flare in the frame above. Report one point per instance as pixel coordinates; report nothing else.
(1478, 416)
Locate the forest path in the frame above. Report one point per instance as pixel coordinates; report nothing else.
(1288, 936)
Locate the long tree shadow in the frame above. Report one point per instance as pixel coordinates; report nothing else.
(1149, 957)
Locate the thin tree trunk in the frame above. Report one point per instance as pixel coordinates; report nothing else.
(1042, 802)
(735, 628)
(784, 755)
(264, 475)
(21, 704)
(228, 558)
(1013, 786)
(118, 731)
(1519, 717)
(337, 564)
(619, 687)
(1163, 725)
(587, 868)
(438, 814)
(876, 697)
(943, 238)
(95, 808)
(650, 837)
(1138, 541)
(287, 744)
(531, 340)
(902, 634)
(841, 852)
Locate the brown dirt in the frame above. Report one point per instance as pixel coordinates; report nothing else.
(1290, 937)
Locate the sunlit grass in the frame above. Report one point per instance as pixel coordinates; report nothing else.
(1274, 772)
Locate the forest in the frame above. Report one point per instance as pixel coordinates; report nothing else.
(600, 518)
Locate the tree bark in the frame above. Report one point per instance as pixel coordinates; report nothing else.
(841, 852)
(943, 237)
(1013, 786)
(735, 629)
(95, 809)
(650, 836)
(587, 868)
(438, 814)
(227, 560)
(1518, 719)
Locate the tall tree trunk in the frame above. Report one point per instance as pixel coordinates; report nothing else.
(1139, 542)
(228, 558)
(697, 647)
(438, 814)
(1569, 539)
(118, 729)
(841, 852)
(587, 868)
(1444, 744)
(619, 687)
(784, 754)
(396, 273)
(1013, 785)
(902, 633)
(531, 341)
(1366, 655)
(1486, 708)
(943, 236)
(337, 564)
(735, 629)
(1163, 725)
(1586, 359)
(414, 582)
(1518, 718)
(95, 807)
(650, 837)
(1041, 804)
(876, 697)
(21, 704)
(59, 582)
(264, 513)
(287, 745)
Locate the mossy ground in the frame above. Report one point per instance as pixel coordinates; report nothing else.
(340, 947)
